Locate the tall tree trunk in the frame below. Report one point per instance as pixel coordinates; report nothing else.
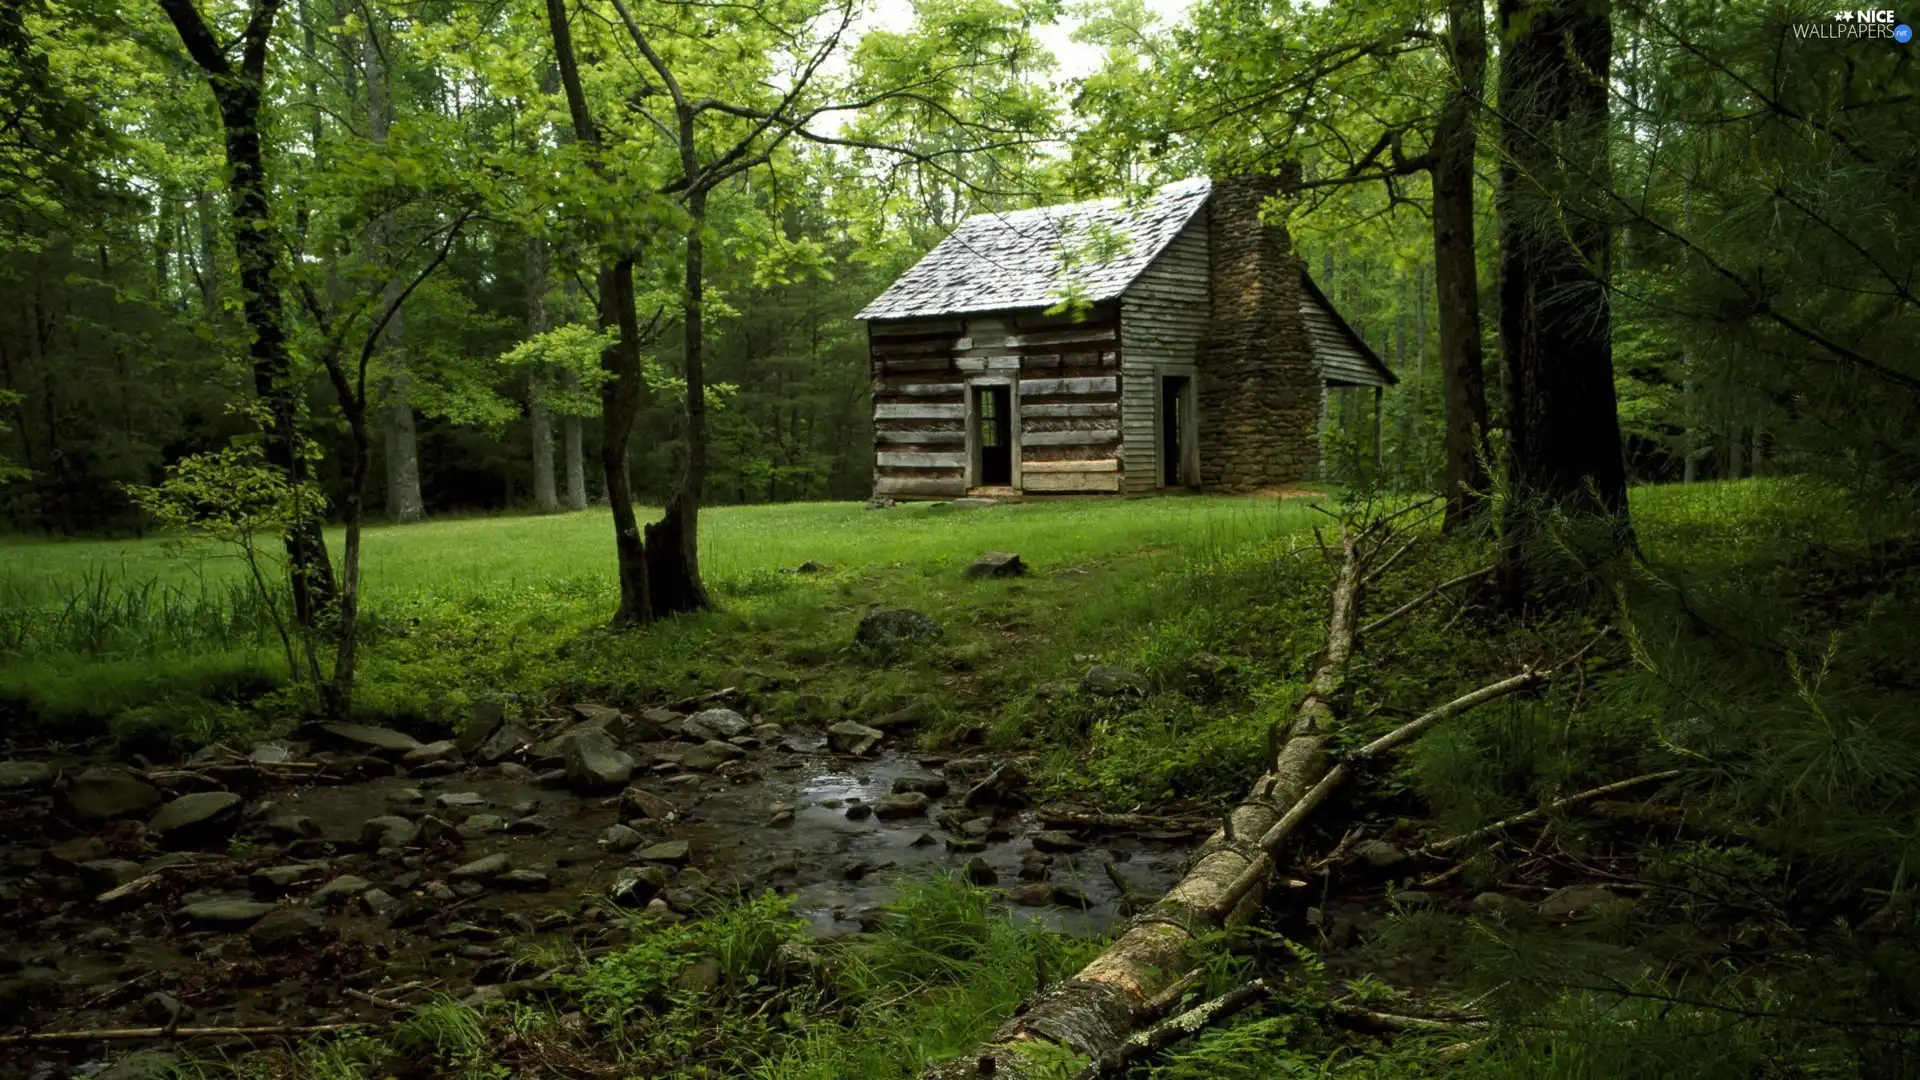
(620, 395)
(1456, 273)
(572, 441)
(539, 424)
(1555, 324)
(205, 258)
(673, 542)
(239, 92)
(1419, 404)
(400, 448)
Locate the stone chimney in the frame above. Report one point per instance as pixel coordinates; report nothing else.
(1258, 392)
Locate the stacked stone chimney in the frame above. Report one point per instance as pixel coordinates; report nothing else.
(1258, 392)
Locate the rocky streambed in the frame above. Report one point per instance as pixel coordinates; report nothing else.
(338, 874)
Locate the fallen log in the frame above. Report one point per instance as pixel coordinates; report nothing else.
(1184, 1026)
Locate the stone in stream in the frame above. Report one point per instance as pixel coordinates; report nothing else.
(638, 802)
(101, 875)
(1000, 788)
(379, 902)
(292, 827)
(912, 714)
(479, 825)
(529, 880)
(513, 770)
(432, 753)
(275, 880)
(481, 869)
(979, 873)
(848, 737)
(931, 786)
(710, 755)
(996, 564)
(637, 885)
(859, 812)
(486, 718)
(339, 890)
(270, 754)
(905, 804)
(676, 852)
(388, 831)
(164, 1009)
(69, 853)
(15, 775)
(619, 839)
(507, 741)
(225, 914)
(719, 724)
(1379, 854)
(461, 800)
(378, 739)
(605, 717)
(1106, 680)
(103, 792)
(1036, 894)
(285, 928)
(594, 764)
(198, 812)
(1053, 840)
(896, 626)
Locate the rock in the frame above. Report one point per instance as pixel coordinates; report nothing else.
(479, 825)
(605, 717)
(225, 914)
(201, 810)
(847, 737)
(1000, 788)
(276, 880)
(1036, 894)
(379, 902)
(879, 502)
(700, 977)
(676, 852)
(508, 740)
(1582, 901)
(432, 753)
(1412, 898)
(619, 839)
(594, 764)
(913, 714)
(531, 825)
(485, 719)
(409, 795)
(285, 928)
(659, 910)
(710, 755)
(481, 869)
(513, 770)
(292, 827)
(979, 873)
(905, 804)
(654, 721)
(68, 853)
(388, 831)
(638, 802)
(895, 626)
(965, 845)
(1107, 680)
(142, 1065)
(1035, 866)
(163, 1009)
(637, 885)
(339, 890)
(977, 828)
(101, 875)
(103, 792)
(781, 819)
(1379, 854)
(859, 812)
(1496, 905)
(996, 564)
(461, 800)
(15, 775)
(809, 567)
(552, 778)
(931, 786)
(721, 724)
(433, 830)
(378, 739)
(528, 880)
(1053, 840)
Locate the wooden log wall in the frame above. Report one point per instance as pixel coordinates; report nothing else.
(1065, 375)
(1164, 318)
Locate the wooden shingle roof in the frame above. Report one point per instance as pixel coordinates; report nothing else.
(1343, 359)
(1035, 258)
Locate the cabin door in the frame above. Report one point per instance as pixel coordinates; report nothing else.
(993, 430)
(1173, 428)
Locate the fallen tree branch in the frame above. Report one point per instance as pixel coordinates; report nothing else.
(1552, 807)
(1423, 598)
(1363, 1019)
(1173, 1030)
(121, 1034)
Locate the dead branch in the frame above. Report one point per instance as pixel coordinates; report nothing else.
(1363, 1019)
(120, 1034)
(1423, 598)
(1552, 807)
(1167, 1032)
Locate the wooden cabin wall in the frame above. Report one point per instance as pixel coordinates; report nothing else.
(1163, 319)
(1066, 397)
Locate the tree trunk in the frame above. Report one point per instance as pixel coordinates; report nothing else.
(1555, 324)
(673, 542)
(401, 450)
(539, 424)
(620, 396)
(239, 92)
(1456, 274)
(572, 439)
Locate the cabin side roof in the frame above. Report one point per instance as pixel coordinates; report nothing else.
(1034, 258)
(1343, 358)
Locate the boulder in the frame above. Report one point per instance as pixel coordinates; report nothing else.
(528, 880)
(461, 800)
(481, 869)
(896, 626)
(15, 775)
(637, 885)
(388, 831)
(996, 564)
(605, 717)
(640, 803)
(276, 880)
(486, 718)
(593, 763)
(479, 825)
(292, 827)
(1055, 841)
(859, 812)
(101, 875)
(508, 740)
(619, 839)
(103, 792)
(931, 786)
(377, 739)
(905, 804)
(977, 872)
(715, 724)
(1106, 680)
(675, 852)
(848, 737)
(339, 890)
(191, 813)
(285, 928)
(225, 914)
(432, 753)
(710, 755)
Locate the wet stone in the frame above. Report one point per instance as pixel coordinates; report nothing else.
(593, 763)
(908, 804)
(481, 869)
(340, 890)
(480, 825)
(189, 812)
(101, 875)
(292, 827)
(996, 564)
(635, 886)
(848, 737)
(509, 740)
(528, 880)
(225, 914)
(619, 838)
(378, 739)
(859, 812)
(388, 831)
(715, 724)
(275, 880)
(286, 927)
(979, 873)
(432, 753)
(710, 755)
(676, 852)
(15, 775)
(1106, 680)
(531, 825)
(163, 1009)
(931, 786)
(1053, 840)
(103, 792)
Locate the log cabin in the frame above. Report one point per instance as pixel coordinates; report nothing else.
(1109, 348)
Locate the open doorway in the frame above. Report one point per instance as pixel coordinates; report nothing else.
(993, 434)
(1173, 430)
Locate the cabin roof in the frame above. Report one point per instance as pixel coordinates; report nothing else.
(1343, 358)
(1036, 258)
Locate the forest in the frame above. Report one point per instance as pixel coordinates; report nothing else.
(445, 630)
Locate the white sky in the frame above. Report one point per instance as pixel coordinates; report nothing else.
(1076, 60)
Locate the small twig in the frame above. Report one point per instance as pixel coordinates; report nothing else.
(1370, 1020)
(1170, 1031)
(115, 1034)
(1382, 568)
(1552, 807)
(1125, 896)
(702, 699)
(384, 1003)
(1161, 1003)
(1423, 598)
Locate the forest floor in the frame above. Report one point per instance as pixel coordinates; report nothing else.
(771, 892)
